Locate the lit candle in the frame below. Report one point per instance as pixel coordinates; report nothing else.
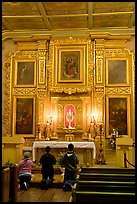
(38, 126)
(100, 127)
(39, 135)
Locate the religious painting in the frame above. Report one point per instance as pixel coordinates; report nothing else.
(116, 72)
(25, 73)
(24, 116)
(69, 116)
(71, 65)
(118, 115)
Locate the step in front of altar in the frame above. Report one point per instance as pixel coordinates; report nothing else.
(37, 177)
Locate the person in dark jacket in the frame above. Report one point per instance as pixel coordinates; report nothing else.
(69, 160)
(47, 160)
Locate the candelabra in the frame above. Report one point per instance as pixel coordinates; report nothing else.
(100, 156)
(39, 131)
(92, 129)
(48, 127)
(113, 138)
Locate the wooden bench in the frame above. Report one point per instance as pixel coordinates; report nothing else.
(105, 197)
(5, 184)
(110, 186)
(106, 177)
(107, 170)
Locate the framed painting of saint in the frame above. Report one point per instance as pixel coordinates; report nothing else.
(25, 73)
(117, 116)
(117, 72)
(71, 65)
(24, 116)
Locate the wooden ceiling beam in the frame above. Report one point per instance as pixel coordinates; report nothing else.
(25, 16)
(90, 15)
(132, 19)
(67, 15)
(43, 13)
(6, 25)
(113, 13)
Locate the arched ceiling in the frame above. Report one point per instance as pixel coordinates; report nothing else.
(76, 17)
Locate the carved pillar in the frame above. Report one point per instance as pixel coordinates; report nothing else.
(6, 93)
(41, 111)
(42, 86)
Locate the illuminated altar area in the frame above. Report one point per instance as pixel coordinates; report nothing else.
(69, 94)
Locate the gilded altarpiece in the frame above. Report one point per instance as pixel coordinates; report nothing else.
(91, 81)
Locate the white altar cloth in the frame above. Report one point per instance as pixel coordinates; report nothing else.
(63, 144)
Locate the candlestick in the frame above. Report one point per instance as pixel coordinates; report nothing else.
(38, 126)
(100, 126)
(39, 134)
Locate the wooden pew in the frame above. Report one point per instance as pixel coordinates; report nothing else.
(106, 177)
(107, 170)
(109, 186)
(5, 184)
(105, 197)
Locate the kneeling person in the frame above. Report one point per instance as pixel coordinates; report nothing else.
(69, 161)
(47, 160)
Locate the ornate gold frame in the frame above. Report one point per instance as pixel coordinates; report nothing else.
(59, 50)
(68, 45)
(16, 74)
(128, 113)
(14, 115)
(77, 52)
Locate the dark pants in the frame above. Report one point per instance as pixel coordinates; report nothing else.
(47, 173)
(24, 178)
(70, 176)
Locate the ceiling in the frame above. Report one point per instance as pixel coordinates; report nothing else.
(32, 17)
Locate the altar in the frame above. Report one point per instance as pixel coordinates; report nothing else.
(86, 151)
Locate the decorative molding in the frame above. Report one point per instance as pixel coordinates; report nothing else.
(115, 53)
(99, 89)
(70, 90)
(118, 90)
(23, 54)
(41, 92)
(24, 91)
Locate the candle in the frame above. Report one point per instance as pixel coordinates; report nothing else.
(39, 135)
(38, 126)
(89, 136)
(100, 127)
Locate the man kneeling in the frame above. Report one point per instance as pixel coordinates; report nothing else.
(69, 160)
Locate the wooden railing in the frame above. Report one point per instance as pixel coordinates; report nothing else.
(126, 161)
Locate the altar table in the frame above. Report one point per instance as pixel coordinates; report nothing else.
(86, 151)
